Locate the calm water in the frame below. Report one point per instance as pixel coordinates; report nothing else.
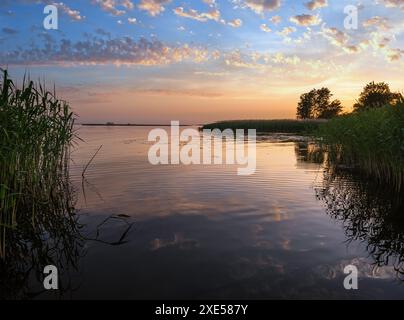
(205, 232)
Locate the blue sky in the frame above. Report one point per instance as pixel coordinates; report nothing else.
(25, 16)
(164, 59)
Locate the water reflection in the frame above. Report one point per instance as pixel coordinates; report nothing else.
(54, 239)
(204, 232)
(57, 238)
(369, 212)
(309, 152)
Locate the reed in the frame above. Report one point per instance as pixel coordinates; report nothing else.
(36, 135)
(371, 141)
(262, 126)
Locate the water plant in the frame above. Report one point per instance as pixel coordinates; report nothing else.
(278, 126)
(35, 142)
(370, 141)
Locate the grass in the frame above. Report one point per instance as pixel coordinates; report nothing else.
(371, 141)
(263, 126)
(36, 134)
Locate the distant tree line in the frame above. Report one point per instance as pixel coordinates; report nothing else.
(317, 103)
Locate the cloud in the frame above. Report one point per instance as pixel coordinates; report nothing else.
(132, 20)
(101, 51)
(213, 14)
(306, 20)
(393, 54)
(316, 4)
(336, 36)
(236, 23)
(276, 20)
(340, 39)
(102, 32)
(211, 3)
(260, 6)
(179, 92)
(215, 54)
(265, 28)
(280, 58)
(153, 7)
(392, 3)
(211, 73)
(261, 61)
(9, 31)
(286, 31)
(72, 14)
(127, 4)
(381, 43)
(376, 21)
(238, 60)
(109, 6)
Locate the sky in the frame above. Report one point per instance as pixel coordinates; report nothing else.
(154, 61)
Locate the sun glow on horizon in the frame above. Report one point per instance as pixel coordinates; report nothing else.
(154, 61)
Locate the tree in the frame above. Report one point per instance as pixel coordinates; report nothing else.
(375, 95)
(332, 110)
(317, 104)
(305, 105)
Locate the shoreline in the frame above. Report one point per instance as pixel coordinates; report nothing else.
(131, 125)
(291, 126)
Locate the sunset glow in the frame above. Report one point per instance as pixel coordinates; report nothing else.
(153, 61)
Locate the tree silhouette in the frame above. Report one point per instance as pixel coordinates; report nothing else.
(317, 104)
(305, 105)
(375, 95)
(331, 110)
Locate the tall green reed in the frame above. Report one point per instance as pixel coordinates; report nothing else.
(36, 135)
(371, 141)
